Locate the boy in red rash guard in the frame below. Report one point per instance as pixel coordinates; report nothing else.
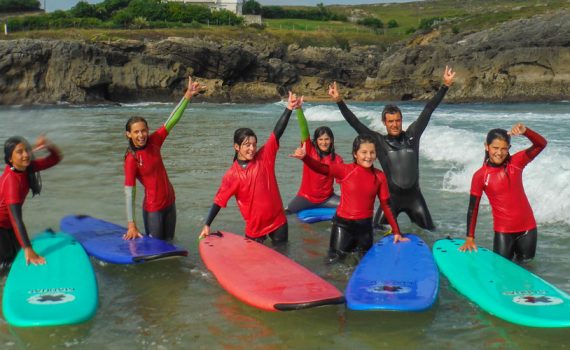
(316, 189)
(20, 175)
(360, 184)
(500, 178)
(251, 179)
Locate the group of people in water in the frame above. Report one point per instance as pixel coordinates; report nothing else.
(251, 180)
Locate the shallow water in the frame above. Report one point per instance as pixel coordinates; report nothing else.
(176, 304)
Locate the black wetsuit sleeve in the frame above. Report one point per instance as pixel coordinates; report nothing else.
(417, 128)
(19, 227)
(214, 210)
(282, 123)
(472, 212)
(352, 119)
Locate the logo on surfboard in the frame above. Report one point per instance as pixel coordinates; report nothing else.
(537, 300)
(51, 296)
(382, 288)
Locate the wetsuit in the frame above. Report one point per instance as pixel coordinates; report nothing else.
(316, 189)
(399, 157)
(352, 223)
(254, 185)
(146, 165)
(14, 186)
(513, 219)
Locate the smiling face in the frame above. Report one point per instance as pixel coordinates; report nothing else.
(324, 143)
(365, 155)
(498, 151)
(393, 123)
(138, 134)
(21, 157)
(247, 149)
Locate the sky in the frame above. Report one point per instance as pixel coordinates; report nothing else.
(53, 5)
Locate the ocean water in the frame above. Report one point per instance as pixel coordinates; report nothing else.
(177, 304)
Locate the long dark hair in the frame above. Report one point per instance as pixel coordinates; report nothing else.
(494, 134)
(320, 131)
(240, 135)
(359, 140)
(34, 178)
(132, 120)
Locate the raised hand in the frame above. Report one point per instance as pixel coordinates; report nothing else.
(334, 93)
(518, 129)
(41, 142)
(194, 88)
(292, 101)
(300, 152)
(448, 76)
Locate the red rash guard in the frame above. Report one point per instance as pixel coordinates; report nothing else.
(14, 187)
(359, 187)
(503, 186)
(316, 187)
(256, 191)
(146, 165)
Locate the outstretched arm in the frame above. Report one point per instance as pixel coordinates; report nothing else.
(334, 93)
(281, 124)
(301, 152)
(417, 128)
(303, 126)
(194, 88)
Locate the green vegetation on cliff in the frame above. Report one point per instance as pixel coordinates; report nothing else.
(385, 24)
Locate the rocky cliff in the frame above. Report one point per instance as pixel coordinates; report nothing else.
(526, 60)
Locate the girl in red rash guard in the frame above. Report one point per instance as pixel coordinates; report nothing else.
(316, 189)
(143, 161)
(360, 184)
(500, 178)
(251, 179)
(20, 175)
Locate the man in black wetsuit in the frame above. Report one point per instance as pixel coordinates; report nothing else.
(398, 153)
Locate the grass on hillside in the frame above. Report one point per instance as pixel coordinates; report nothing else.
(458, 15)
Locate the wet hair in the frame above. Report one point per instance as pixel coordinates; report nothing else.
(240, 135)
(359, 140)
(495, 134)
(130, 122)
(390, 109)
(320, 131)
(34, 178)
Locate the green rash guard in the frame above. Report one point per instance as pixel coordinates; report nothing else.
(130, 191)
(303, 126)
(176, 114)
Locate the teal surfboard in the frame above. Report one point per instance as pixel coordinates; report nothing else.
(501, 287)
(61, 292)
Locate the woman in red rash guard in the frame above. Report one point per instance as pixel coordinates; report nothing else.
(316, 189)
(500, 178)
(251, 179)
(20, 175)
(360, 184)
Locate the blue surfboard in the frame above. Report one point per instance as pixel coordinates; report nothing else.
(104, 241)
(501, 287)
(313, 215)
(395, 277)
(61, 292)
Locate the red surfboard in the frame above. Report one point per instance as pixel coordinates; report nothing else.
(262, 277)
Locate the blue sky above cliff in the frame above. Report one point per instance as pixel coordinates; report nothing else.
(53, 5)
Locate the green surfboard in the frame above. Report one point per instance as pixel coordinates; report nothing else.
(501, 287)
(61, 292)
